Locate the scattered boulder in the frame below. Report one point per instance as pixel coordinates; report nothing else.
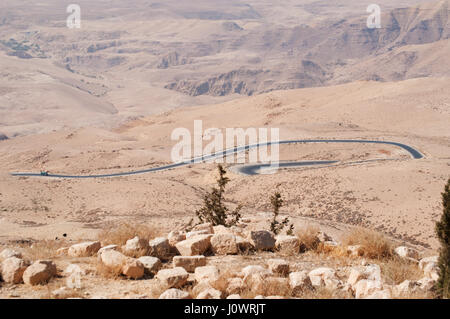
(262, 240)
(278, 266)
(109, 247)
(406, 252)
(299, 282)
(255, 269)
(380, 294)
(426, 284)
(62, 251)
(267, 286)
(210, 293)
(224, 244)
(86, 249)
(136, 247)
(204, 227)
(133, 268)
(113, 260)
(365, 288)
(174, 293)
(323, 276)
(160, 248)
(197, 233)
(40, 272)
(8, 253)
(235, 286)
(430, 268)
(173, 278)
(289, 245)
(405, 288)
(12, 270)
(234, 296)
(190, 263)
(195, 246)
(175, 237)
(151, 264)
(206, 274)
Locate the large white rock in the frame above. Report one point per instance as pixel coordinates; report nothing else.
(113, 259)
(369, 272)
(323, 276)
(244, 245)
(86, 249)
(172, 278)
(151, 264)
(204, 227)
(278, 266)
(12, 270)
(175, 237)
(234, 296)
(262, 240)
(430, 268)
(235, 286)
(206, 274)
(8, 253)
(365, 288)
(405, 288)
(289, 245)
(210, 293)
(174, 293)
(136, 247)
(224, 244)
(406, 252)
(299, 281)
(108, 247)
(195, 246)
(189, 262)
(255, 269)
(160, 248)
(133, 268)
(40, 272)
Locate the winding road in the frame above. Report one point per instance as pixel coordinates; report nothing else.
(251, 170)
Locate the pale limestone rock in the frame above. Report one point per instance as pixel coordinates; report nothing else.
(210, 293)
(86, 249)
(406, 252)
(151, 264)
(189, 262)
(12, 270)
(197, 245)
(224, 244)
(136, 247)
(40, 272)
(174, 293)
(173, 278)
(133, 268)
(299, 282)
(160, 248)
(278, 266)
(289, 245)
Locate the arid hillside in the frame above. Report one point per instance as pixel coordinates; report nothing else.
(138, 58)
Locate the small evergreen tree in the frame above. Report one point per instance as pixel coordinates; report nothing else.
(443, 233)
(275, 226)
(214, 210)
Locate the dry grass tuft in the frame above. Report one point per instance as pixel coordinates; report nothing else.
(307, 236)
(324, 293)
(374, 245)
(44, 249)
(108, 272)
(396, 270)
(120, 233)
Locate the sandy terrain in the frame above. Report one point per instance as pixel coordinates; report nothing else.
(399, 197)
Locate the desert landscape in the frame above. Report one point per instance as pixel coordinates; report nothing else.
(104, 99)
